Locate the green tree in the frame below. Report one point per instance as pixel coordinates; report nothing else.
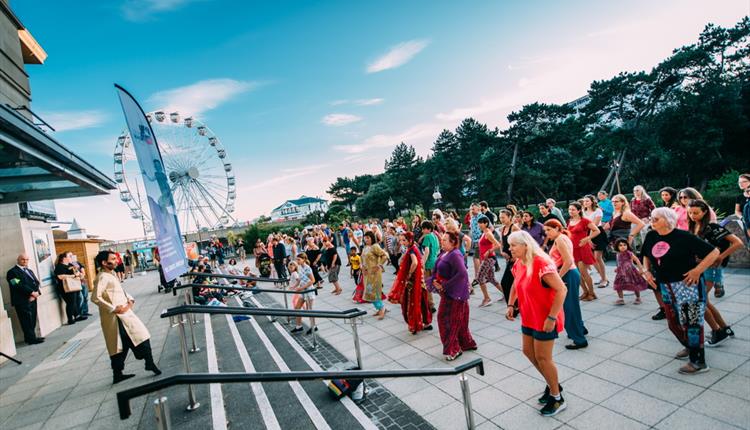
(347, 190)
(402, 173)
(375, 202)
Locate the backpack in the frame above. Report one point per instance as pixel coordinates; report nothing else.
(342, 387)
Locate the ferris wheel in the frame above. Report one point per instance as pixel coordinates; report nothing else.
(201, 178)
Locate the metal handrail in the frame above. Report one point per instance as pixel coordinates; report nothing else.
(237, 310)
(240, 277)
(124, 397)
(231, 287)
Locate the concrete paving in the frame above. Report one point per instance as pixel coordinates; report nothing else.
(66, 382)
(626, 378)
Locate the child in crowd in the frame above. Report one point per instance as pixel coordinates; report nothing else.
(355, 262)
(301, 278)
(627, 277)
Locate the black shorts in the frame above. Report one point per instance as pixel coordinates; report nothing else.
(120, 268)
(539, 335)
(600, 242)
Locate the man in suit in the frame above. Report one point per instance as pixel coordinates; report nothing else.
(24, 291)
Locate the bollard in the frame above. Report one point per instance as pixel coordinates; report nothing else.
(467, 401)
(357, 350)
(162, 414)
(193, 405)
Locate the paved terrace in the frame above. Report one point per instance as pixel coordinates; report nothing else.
(626, 379)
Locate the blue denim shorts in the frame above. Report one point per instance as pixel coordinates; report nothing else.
(714, 275)
(539, 335)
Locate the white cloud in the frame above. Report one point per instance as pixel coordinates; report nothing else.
(201, 96)
(74, 120)
(359, 102)
(142, 10)
(415, 133)
(340, 119)
(397, 56)
(288, 174)
(369, 102)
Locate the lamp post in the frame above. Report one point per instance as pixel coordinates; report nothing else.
(437, 197)
(391, 206)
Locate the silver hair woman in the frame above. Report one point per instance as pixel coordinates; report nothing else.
(672, 254)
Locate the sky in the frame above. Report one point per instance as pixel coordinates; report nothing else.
(300, 93)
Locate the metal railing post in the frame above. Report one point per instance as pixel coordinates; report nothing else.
(354, 322)
(192, 302)
(467, 401)
(286, 303)
(190, 317)
(309, 301)
(193, 405)
(162, 414)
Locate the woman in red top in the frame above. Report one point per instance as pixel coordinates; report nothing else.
(541, 294)
(582, 232)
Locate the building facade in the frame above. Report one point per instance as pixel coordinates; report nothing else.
(34, 168)
(292, 210)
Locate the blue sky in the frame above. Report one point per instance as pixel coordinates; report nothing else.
(302, 92)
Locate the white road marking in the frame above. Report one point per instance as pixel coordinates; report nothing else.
(218, 414)
(312, 411)
(266, 411)
(348, 403)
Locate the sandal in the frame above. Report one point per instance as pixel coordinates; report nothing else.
(620, 302)
(485, 303)
(454, 356)
(637, 301)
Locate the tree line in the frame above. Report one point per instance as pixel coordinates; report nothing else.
(684, 123)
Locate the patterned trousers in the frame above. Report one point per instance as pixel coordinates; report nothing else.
(453, 322)
(685, 307)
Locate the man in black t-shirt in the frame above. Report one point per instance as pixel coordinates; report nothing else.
(485, 209)
(672, 254)
(279, 254)
(334, 264)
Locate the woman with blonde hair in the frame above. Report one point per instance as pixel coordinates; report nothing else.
(621, 225)
(541, 294)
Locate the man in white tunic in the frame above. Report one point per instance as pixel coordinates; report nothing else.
(122, 328)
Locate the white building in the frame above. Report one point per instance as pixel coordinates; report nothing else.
(298, 208)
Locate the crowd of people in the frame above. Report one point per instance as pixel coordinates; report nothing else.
(674, 248)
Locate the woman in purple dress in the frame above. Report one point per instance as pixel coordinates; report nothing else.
(451, 280)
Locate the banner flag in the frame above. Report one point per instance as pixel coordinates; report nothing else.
(159, 195)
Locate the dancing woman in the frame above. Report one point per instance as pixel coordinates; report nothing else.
(562, 254)
(506, 221)
(373, 259)
(451, 280)
(592, 211)
(409, 288)
(582, 232)
(541, 294)
(487, 247)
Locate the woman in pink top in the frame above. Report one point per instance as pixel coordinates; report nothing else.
(683, 198)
